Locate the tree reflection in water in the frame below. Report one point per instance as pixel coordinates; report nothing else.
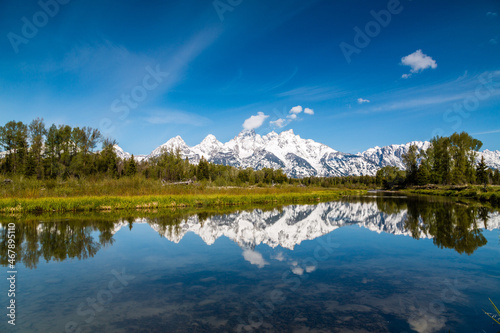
(450, 225)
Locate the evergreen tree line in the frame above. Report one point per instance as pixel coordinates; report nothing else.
(341, 181)
(59, 151)
(63, 151)
(448, 161)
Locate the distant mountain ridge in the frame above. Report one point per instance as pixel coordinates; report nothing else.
(297, 157)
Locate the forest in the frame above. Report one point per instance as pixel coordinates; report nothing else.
(62, 152)
(448, 161)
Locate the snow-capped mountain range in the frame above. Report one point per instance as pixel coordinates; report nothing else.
(297, 157)
(291, 225)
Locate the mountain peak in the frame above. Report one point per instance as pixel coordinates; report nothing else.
(296, 156)
(247, 132)
(176, 140)
(210, 139)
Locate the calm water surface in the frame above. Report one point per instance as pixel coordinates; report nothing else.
(362, 265)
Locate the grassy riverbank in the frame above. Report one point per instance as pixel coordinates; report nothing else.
(29, 188)
(213, 197)
(489, 195)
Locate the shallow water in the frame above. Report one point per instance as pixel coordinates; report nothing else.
(362, 265)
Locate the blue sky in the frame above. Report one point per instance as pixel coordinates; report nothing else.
(146, 71)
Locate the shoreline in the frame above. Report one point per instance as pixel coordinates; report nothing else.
(112, 203)
(472, 192)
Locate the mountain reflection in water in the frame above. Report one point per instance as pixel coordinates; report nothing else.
(450, 225)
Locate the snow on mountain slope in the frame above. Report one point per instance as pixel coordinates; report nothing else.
(125, 156)
(492, 158)
(391, 155)
(171, 145)
(297, 157)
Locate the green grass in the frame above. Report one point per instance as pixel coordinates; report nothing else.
(153, 202)
(26, 195)
(497, 314)
(489, 195)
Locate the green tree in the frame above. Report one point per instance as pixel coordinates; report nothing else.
(390, 176)
(439, 153)
(107, 162)
(423, 174)
(30, 168)
(411, 164)
(202, 172)
(496, 177)
(482, 172)
(52, 147)
(463, 150)
(37, 134)
(130, 167)
(14, 140)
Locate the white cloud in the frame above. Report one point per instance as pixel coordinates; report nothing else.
(255, 121)
(426, 323)
(418, 62)
(361, 101)
(298, 270)
(491, 14)
(279, 256)
(291, 116)
(296, 109)
(310, 269)
(255, 258)
(494, 41)
(279, 123)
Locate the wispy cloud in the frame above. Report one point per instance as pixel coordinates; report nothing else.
(278, 256)
(177, 117)
(361, 101)
(487, 132)
(428, 96)
(312, 93)
(279, 123)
